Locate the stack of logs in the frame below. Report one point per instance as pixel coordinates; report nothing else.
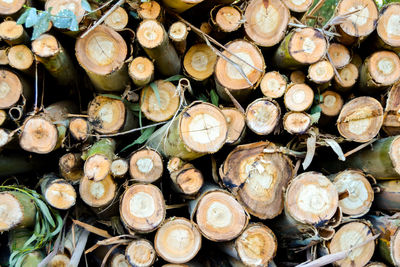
(205, 132)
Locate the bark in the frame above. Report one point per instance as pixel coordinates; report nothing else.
(58, 192)
(186, 178)
(98, 159)
(19, 210)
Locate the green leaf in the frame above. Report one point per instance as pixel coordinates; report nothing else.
(42, 25)
(202, 97)
(86, 6)
(23, 17)
(32, 18)
(155, 90)
(112, 96)
(134, 14)
(74, 24)
(174, 78)
(46, 212)
(143, 138)
(214, 97)
(63, 19)
(133, 106)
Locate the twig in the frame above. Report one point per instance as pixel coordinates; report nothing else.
(97, 9)
(359, 148)
(92, 229)
(208, 37)
(312, 12)
(130, 131)
(108, 13)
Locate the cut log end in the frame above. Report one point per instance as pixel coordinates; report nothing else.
(97, 167)
(348, 77)
(38, 135)
(298, 6)
(376, 264)
(60, 194)
(10, 88)
(228, 18)
(119, 168)
(360, 119)
(5, 137)
(388, 25)
(384, 67)
(339, 54)
(59, 260)
(117, 20)
(11, 212)
(266, 26)
(257, 245)
(394, 154)
(296, 122)
(141, 71)
(360, 193)
(332, 103)
(203, 128)
(186, 178)
(348, 236)
(11, 7)
(273, 84)
(178, 31)
(150, 10)
(20, 57)
(311, 198)
(140, 253)
(262, 116)
(297, 76)
(79, 129)
(3, 116)
(298, 97)
(199, 62)
(161, 109)
(45, 46)
(229, 77)
(146, 165)
(107, 115)
(395, 247)
(119, 260)
(321, 72)
(97, 194)
(236, 124)
(177, 240)
(150, 34)
(220, 217)
(102, 51)
(10, 30)
(3, 56)
(307, 45)
(73, 5)
(142, 208)
(360, 23)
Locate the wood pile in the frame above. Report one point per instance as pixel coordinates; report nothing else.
(199, 133)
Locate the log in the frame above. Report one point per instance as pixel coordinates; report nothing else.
(339, 54)
(228, 77)
(117, 20)
(12, 8)
(80, 129)
(180, 6)
(107, 70)
(263, 116)
(178, 240)
(119, 168)
(387, 198)
(331, 105)
(146, 165)
(12, 88)
(273, 84)
(311, 202)
(98, 159)
(185, 177)
(217, 214)
(13, 33)
(227, 19)
(302, 46)
(142, 208)
(140, 252)
(236, 125)
(257, 174)
(71, 167)
(376, 264)
(17, 210)
(297, 76)
(109, 115)
(151, 10)
(3, 56)
(348, 78)
(256, 246)
(198, 130)
(266, 27)
(379, 71)
(387, 35)
(20, 57)
(97, 194)
(360, 119)
(298, 97)
(298, 7)
(388, 241)
(391, 122)
(178, 33)
(152, 36)
(55, 6)
(58, 192)
(59, 260)
(199, 62)
(355, 192)
(118, 260)
(141, 71)
(53, 56)
(321, 73)
(165, 107)
(296, 122)
(350, 235)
